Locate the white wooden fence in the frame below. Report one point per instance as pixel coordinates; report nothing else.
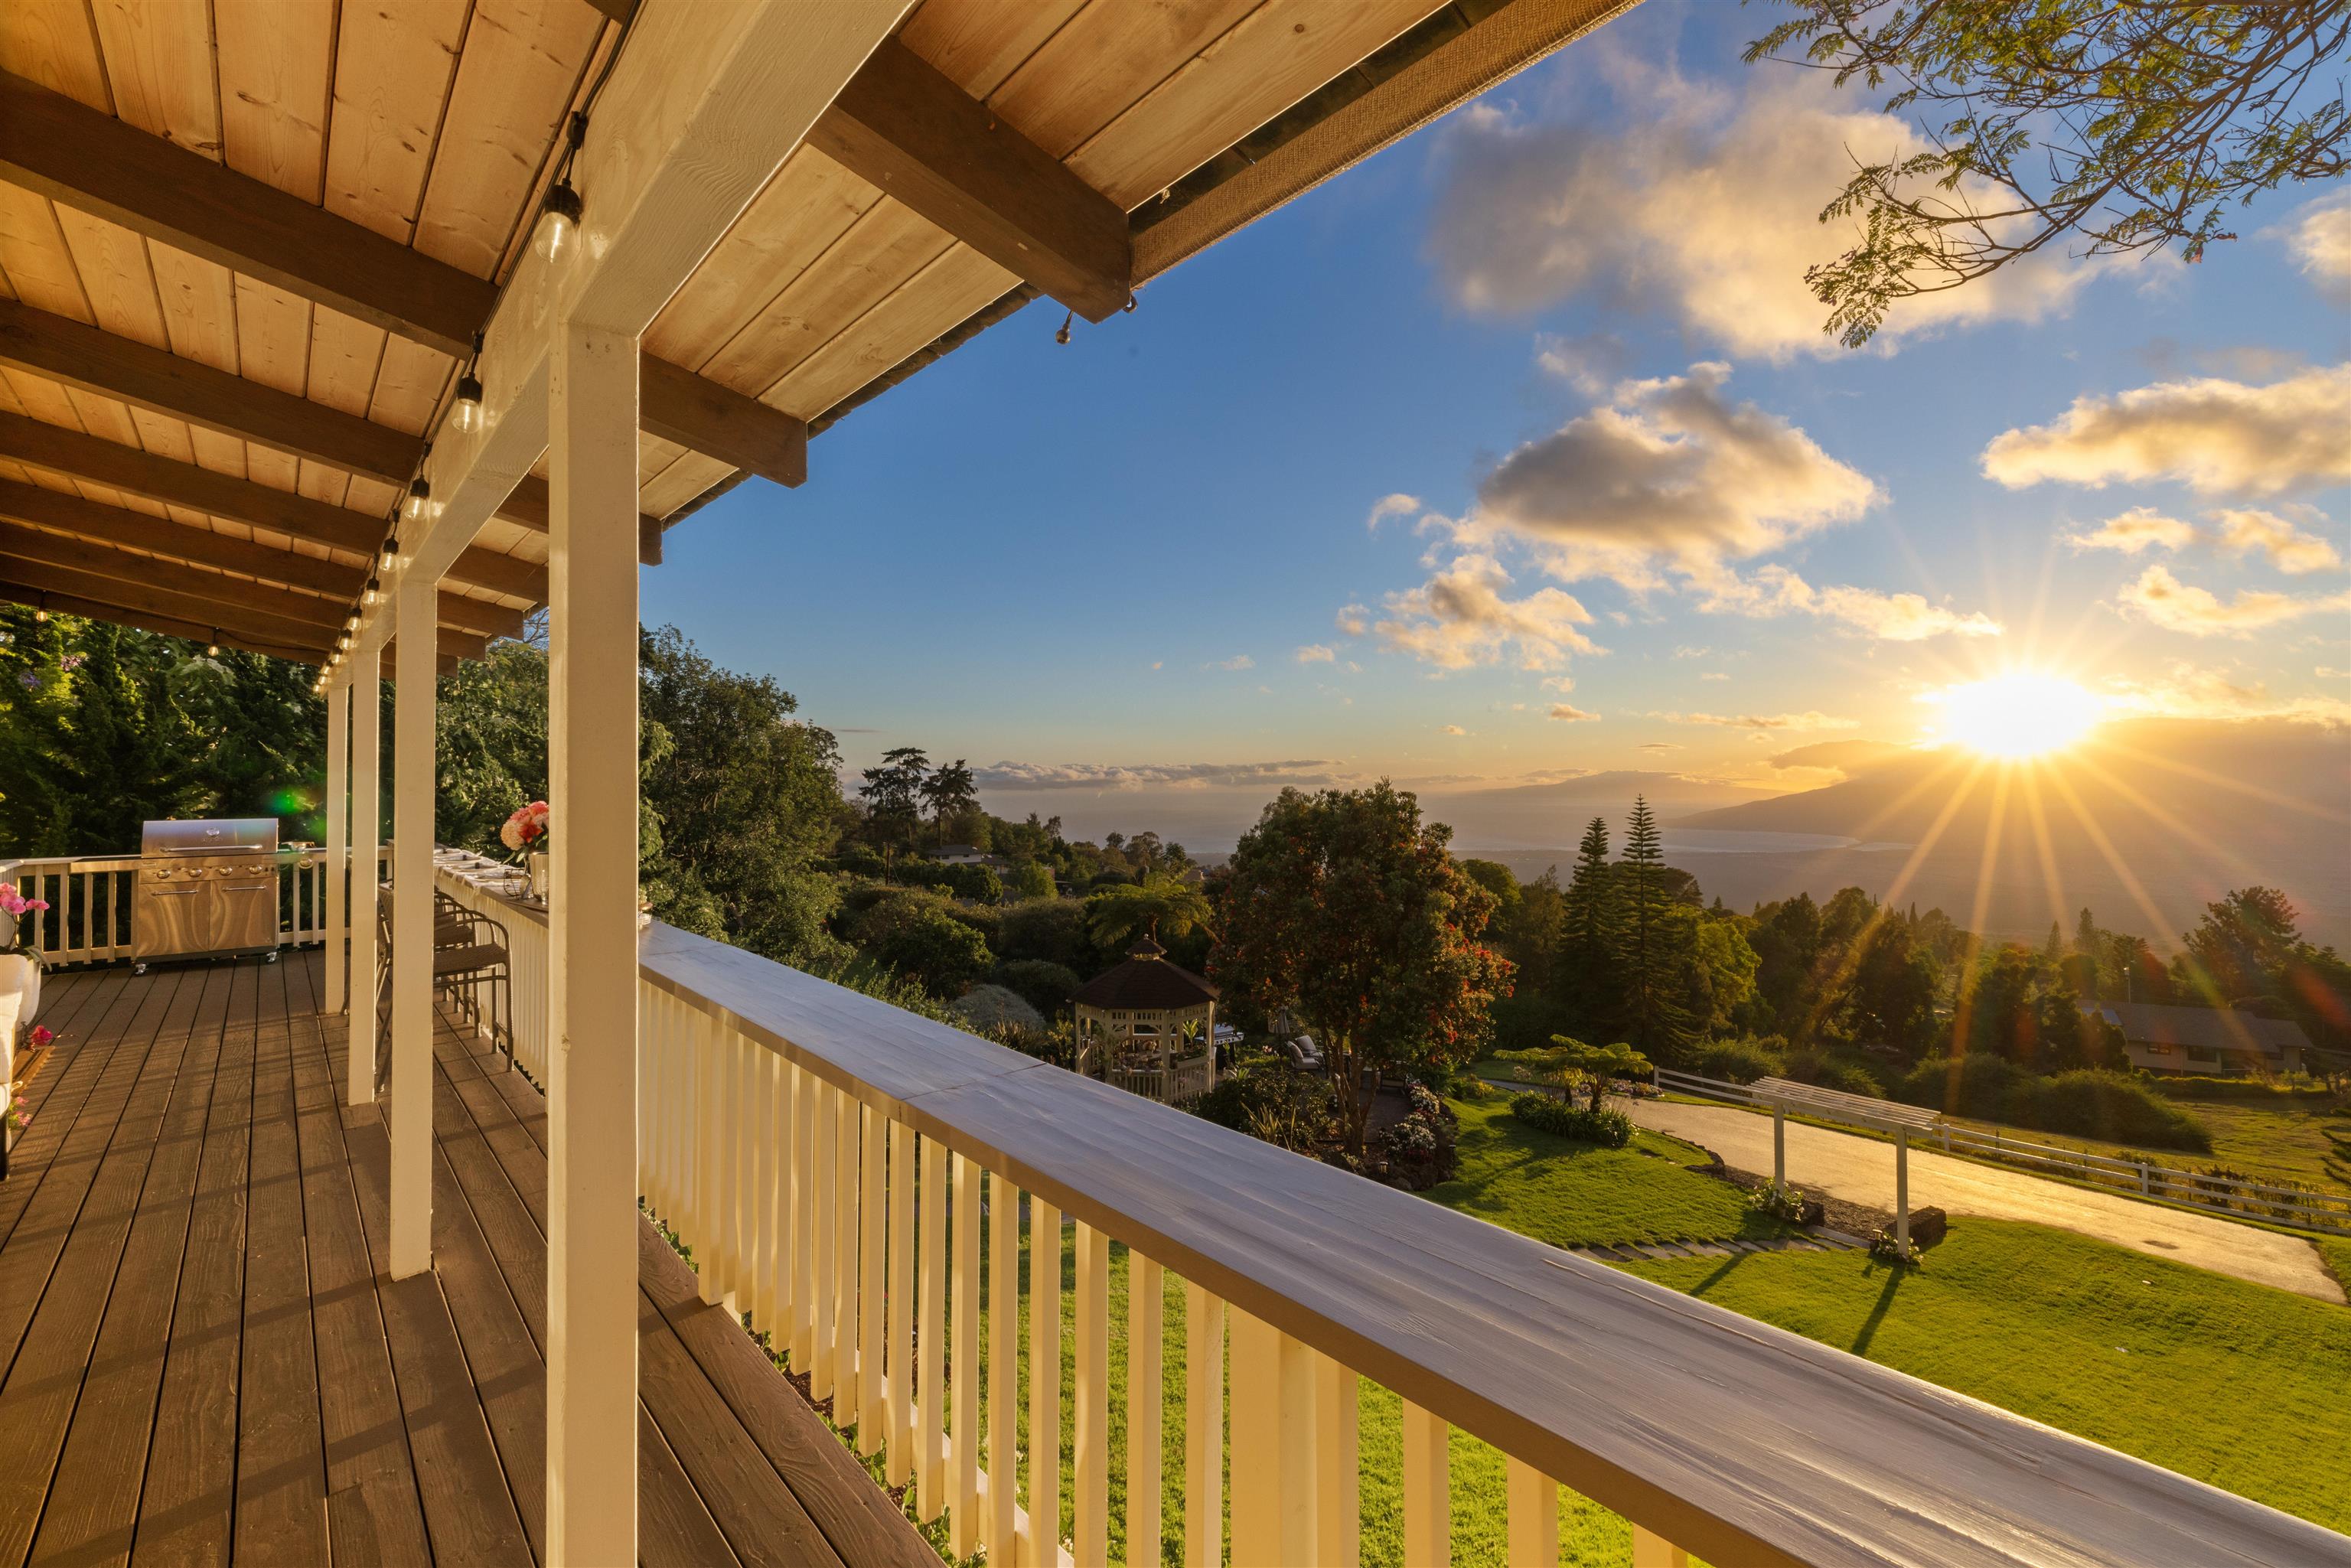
(871, 1190)
(2239, 1198)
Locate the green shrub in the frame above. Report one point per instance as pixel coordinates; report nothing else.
(1741, 1060)
(986, 1009)
(1608, 1129)
(1527, 1020)
(1052, 930)
(919, 935)
(2088, 1102)
(1834, 1070)
(2099, 1102)
(1042, 984)
(2259, 1089)
(1293, 1110)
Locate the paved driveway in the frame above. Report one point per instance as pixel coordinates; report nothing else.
(1861, 1170)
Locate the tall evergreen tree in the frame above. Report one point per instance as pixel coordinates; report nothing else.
(1592, 927)
(1648, 959)
(894, 796)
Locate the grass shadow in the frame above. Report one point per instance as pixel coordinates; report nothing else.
(1894, 1274)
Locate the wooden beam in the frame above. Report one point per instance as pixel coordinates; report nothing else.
(163, 383)
(231, 594)
(527, 506)
(176, 541)
(902, 126)
(96, 163)
(718, 422)
(127, 468)
(62, 603)
(92, 161)
(151, 598)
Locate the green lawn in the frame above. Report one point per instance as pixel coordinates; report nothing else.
(1572, 1194)
(2231, 1382)
(2295, 1140)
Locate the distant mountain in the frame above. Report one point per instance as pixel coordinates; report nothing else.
(2144, 822)
(1553, 816)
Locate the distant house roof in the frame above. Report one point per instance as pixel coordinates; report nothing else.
(1147, 982)
(951, 852)
(2208, 1030)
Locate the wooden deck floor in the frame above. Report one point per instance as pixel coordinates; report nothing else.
(204, 1362)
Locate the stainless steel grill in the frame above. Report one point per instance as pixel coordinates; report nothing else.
(206, 888)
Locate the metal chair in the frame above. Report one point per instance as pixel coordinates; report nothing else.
(470, 964)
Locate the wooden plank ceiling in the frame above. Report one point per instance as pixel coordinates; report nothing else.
(244, 247)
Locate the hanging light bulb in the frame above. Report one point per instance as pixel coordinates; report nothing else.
(371, 593)
(466, 415)
(558, 221)
(41, 612)
(351, 621)
(1062, 336)
(211, 649)
(390, 548)
(342, 642)
(420, 495)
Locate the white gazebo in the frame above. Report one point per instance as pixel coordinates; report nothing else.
(1148, 1027)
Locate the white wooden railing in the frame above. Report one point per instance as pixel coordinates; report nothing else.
(90, 913)
(794, 1137)
(2239, 1197)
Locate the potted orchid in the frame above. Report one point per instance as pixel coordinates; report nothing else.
(526, 833)
(20, 967)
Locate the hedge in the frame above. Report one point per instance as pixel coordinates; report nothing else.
(1609, 1129)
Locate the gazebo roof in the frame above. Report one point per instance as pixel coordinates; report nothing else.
(1147, 982)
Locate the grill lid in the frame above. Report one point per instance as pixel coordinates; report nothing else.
(209, 835)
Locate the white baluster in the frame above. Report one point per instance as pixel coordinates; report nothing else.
(1145, 1310)
(873, 1423)
(1204, 1428)
(1044, 1383)
(931, 1339)
(1338, 1485)
(1654, 1550)
(1092, 1401)
(963, 1358)
(1427, 1497)
(1003, 1369)
(900, 1361)
(1534, 1517)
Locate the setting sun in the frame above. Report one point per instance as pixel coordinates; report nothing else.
(2017, 716)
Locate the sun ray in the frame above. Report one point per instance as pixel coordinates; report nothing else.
(2039, 820)
(2220, 780)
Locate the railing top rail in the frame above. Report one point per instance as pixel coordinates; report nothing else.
(1737, 1440)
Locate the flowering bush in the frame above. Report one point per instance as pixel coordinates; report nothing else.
(15, 906)
(527, 830)
(42, 1034)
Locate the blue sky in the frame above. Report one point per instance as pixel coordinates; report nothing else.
(1056, 557)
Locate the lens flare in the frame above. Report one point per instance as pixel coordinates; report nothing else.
(2020, 714)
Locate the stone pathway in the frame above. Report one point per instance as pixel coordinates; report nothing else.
(1646, 1251)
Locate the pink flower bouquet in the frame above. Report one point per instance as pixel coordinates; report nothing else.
(527, 829)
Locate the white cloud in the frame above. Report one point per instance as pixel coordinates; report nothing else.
(2248, 532)
(1238, 662)
(2189, 692)
(1354, 620)
(1317, 653)
(1459, 619)
(1154, 775)
(1666, 474)
(1450, 729)
(2135, 531)
(1559, 682)
(1810, 719)
(1570, 713)
(2164, 600)
(1888, 617)
(1398, 504)
(2320, 239)
(1712, 675)
(1660, 745)
(1705, 210)
(2216, 436)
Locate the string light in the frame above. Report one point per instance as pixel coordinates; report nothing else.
(211, 649)
(1063, 335)
(351, 621)
(466, 415)
(390, 548)
(371, 593)
(342, 642)
(41, 611)
(420, 495)
(559, 215)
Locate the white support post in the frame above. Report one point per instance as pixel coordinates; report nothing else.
(367, 839)
(1902, 1189)
(338, 850)
(1780, 1147)
(412, 926)
(592, 1258)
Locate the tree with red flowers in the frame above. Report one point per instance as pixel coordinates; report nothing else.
(1342, 907)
